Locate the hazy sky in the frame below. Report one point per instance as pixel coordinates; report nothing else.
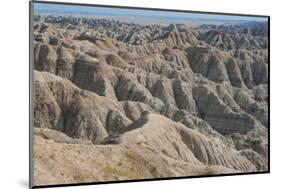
(102, 11)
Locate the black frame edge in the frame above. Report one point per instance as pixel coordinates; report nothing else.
(31, 150)
(144, 180)
(268, 89)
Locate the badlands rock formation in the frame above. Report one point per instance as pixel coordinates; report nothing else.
(119, 101)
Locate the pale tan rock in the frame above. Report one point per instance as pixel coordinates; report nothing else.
(116, 100)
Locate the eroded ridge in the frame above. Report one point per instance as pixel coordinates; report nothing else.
(116, 100)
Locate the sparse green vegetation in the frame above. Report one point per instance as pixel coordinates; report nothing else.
(253, 142)
(120, 172)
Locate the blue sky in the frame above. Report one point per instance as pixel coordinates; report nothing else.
(104, 11)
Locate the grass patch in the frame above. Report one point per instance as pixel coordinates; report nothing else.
(142, 166)
(119, 172)
(253, 142)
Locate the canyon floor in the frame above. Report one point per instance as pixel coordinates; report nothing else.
(120, 101)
